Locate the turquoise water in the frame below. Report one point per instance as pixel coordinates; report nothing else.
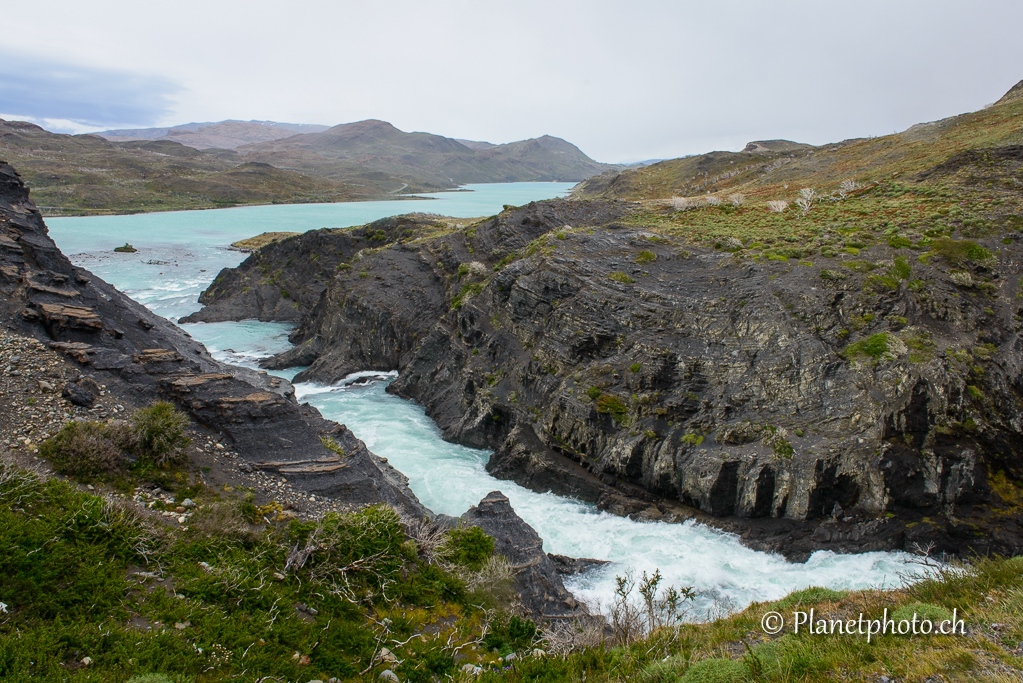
(179, 255)
(180, 252)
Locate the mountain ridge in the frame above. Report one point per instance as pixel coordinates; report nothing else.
(366, 160)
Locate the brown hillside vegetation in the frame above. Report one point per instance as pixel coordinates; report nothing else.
(779, 175)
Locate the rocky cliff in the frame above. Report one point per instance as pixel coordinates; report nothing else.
(867, 399)
(135, 352)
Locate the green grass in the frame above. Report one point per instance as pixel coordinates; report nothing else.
(69, 564)
(83, 597)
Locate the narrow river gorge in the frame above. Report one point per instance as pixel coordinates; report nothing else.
(180, 253)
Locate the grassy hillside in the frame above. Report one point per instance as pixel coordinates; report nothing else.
(97, 588)
(779, 175)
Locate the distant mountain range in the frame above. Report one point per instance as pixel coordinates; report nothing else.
(224, 134)
(369, 149)
(203, 165)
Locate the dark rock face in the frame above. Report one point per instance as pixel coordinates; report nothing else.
(77, 395)
(537, 576)
(136, 352)
(667, 381)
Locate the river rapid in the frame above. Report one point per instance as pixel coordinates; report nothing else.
(179, 254)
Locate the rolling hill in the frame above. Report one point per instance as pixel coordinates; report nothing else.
(778, 169)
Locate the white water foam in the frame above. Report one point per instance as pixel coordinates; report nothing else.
(448, 478)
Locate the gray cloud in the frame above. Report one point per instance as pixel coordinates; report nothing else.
(623, 80)
(42, 89)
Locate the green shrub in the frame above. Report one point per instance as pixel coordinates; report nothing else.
(899, 243)
(610, 405)
(83, 450)
(974, 392)
(511, 635)
(646, 257)
(593, 393)
(860, 266)
(691, 439)
(717, 671)
(873, 346)
(879, 282)
(469, 547)
(635, 367)
(469, 290)
(158, 433)
(619, 276)
(901, 268)
(374, 532)
(666, 671)
(782, 448)
(959, 252)
(463, 270)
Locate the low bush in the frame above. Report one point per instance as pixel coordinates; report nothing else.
(158, 433)
(610, 405)
(153, 437)
(469, 547)
(619, 276)
(960, 252)
(646, 257)
(811, 596)
(873, 346)
(83, 450)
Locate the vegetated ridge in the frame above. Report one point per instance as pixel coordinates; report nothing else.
(838, 368)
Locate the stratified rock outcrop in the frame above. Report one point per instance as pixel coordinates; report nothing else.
(844, 403)
(137, 353)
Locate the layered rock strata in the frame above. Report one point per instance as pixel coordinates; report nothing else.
(804, 406)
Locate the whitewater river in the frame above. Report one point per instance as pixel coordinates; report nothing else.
(181, 252)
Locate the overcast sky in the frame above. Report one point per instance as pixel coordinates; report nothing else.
(624, 81)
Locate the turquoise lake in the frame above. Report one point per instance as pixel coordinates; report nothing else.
(181, 252)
